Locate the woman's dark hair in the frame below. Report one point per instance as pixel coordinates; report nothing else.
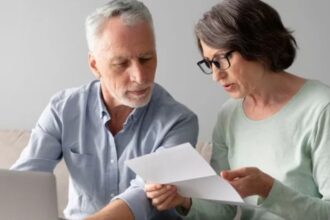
(252, 28)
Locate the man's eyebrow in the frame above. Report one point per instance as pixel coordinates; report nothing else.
(149, 53)
(117, 58)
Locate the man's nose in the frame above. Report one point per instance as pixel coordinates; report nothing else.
(137, 73)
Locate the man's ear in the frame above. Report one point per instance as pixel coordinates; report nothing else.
(93, 66)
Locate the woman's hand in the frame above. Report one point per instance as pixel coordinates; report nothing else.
(249, 181)
(165, 197)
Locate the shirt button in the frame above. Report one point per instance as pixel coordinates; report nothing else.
(112, 161)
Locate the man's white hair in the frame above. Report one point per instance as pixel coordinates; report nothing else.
(131, 11)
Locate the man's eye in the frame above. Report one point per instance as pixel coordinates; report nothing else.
(144, 59)
(120, 64)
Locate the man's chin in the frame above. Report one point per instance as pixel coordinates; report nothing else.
(137, 103)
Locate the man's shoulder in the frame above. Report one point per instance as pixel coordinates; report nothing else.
(163, 101)
(74, 95)
(74, 92)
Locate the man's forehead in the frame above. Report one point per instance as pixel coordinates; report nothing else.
(128, 56)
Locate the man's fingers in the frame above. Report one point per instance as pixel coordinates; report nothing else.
(167, 203)
(152, 187)
(160, 197)
(159, 192)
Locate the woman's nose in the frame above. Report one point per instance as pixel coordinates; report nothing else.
(218, 74)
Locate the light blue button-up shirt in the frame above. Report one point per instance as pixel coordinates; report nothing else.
(73, 127)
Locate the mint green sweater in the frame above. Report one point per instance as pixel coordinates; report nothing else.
(293, 146)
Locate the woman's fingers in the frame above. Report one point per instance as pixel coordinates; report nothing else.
(231, 175)
(249, 181)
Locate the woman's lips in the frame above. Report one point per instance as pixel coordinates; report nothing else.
(228, 87)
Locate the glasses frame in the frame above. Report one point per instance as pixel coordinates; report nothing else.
(215, 62)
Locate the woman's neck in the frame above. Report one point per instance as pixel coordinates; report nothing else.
(272, 93)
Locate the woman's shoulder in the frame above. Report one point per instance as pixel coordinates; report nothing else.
(231, 104)
(316, 91)
(312, 98)
(229, 107)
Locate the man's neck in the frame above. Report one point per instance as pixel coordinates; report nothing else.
(119, 115)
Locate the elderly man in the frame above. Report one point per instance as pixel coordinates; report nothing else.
(121, 115)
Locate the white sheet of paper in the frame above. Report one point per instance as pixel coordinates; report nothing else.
(185, 168)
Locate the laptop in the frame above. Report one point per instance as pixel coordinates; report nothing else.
(27, 195)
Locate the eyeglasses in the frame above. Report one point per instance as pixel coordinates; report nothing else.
(220, 61)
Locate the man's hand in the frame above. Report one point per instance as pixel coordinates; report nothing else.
(165, 197)
(249, 181)
(116, 210)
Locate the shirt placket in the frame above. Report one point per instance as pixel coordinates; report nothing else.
(112, 169)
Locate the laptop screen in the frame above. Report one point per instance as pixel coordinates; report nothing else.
(28, 195)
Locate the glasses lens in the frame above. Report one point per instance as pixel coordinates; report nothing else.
(217, 64)
(221, 63)
(224, 63)
(205, 66)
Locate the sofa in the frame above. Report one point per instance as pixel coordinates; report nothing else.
(12, 143)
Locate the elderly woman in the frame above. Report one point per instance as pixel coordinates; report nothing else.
(272, 139)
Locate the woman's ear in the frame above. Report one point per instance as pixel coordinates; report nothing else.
(93, 66)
